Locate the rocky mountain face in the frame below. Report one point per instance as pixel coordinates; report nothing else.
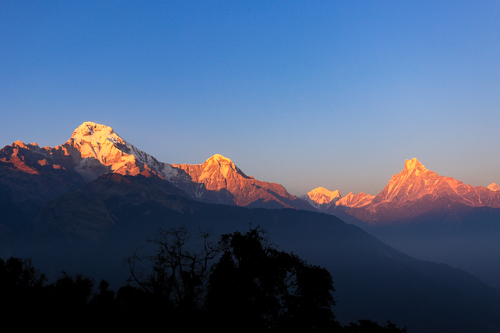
(323, 196)
(91, 151)
(219, 174)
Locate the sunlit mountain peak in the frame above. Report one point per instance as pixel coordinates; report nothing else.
(100, 142)
(230, 185)
(494, 187)
(355, 201)
(19, 144)
(92, 132)
(322, 195)
(218, 163)
(414, 164)
(218, 158)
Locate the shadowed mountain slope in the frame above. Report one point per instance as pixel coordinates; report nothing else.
(372, 280)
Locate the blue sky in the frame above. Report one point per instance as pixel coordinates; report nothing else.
(302, 93)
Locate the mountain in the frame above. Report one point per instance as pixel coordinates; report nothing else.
(355, 201)
(321, 198)
(219, 173)
(416, 182)
(86, 212)
(416, 191)
(435, 218)
(332, 202)
(95, 149)
(93, 229)
(494, 187)
(217, 180)
(30, 177)
(95, 143)
(91, 151)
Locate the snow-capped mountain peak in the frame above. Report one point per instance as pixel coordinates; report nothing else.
(355, 201)
(494, 187)
(219, 163)
(218, 158)
(225, 180)
(101, 142)
(321, 198)
(413, 179)
(322, 195)
(416, 190)
(414, 165)
(95, 133)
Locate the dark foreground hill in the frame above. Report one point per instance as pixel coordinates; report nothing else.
(93, 229)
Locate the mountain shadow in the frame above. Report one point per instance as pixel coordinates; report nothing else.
(94, 228)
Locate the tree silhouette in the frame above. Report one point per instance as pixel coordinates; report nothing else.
(256, 286)
(252, 287)
(177, 283)
(69, 298)
(21, 287)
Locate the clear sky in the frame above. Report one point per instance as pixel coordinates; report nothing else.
(302, 93)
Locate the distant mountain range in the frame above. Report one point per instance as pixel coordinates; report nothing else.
(429, 216)
(96, 149)
(413, 192)
(327, 201)
(88, 203)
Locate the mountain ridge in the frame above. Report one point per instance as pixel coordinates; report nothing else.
(96, 149)
(413, 191)
(220, 173)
